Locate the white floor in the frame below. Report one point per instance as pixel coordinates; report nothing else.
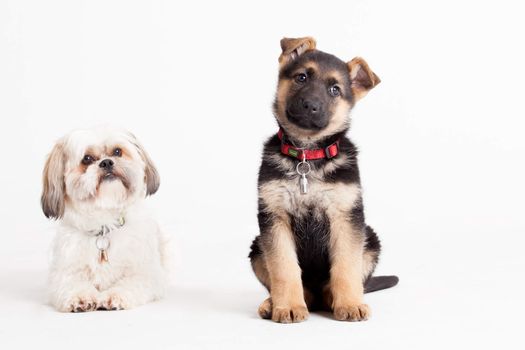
(448, 297)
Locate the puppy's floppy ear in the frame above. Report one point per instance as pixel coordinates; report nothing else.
(362, 77)
(54, 187)
(295, 47)
(151, 175)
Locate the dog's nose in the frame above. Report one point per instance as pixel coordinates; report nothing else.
(312, 107)
(106, 164)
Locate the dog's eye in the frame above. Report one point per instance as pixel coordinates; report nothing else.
(334, 90)
(87, 159)
(117, 152)
(300, 78)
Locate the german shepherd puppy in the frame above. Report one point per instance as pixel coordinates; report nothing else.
(314, 250)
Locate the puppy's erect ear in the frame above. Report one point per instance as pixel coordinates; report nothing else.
(295, 47)
(362, 77)
(54, 187)
(151, 175)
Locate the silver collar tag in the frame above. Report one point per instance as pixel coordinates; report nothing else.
(303, 168)
(102, 241)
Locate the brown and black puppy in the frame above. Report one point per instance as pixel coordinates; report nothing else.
(314, 250)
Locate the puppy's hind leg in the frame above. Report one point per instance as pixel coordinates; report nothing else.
(370, 259)
(261, 272)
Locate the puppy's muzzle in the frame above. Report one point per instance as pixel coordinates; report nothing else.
(308, 113)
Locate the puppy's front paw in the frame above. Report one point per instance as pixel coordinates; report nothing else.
(352, 312)
(289, 314)
(113, 300)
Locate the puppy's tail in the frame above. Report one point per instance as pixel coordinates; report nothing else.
(376, 283)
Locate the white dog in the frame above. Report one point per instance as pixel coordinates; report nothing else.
(108, 253)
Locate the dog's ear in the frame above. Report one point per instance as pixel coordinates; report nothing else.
(151, 175)
(294, 47)
(362, 77)
(54, 187)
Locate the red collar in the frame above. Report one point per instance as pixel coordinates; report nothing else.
(309, 154)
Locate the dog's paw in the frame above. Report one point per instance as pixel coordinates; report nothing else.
(265, 309)
(356, 312)
(113, 300)
(82, 302)
(290, 314)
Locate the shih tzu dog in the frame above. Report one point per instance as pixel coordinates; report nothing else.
(108, 254)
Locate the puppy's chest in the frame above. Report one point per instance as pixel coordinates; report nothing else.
(320, 197)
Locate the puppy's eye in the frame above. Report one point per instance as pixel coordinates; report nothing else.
(334, 90)
(117, 152)
(300, 78)
(87, 159)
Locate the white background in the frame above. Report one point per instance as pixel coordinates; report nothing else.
(442, 163)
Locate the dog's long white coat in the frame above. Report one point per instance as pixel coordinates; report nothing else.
(135, 272)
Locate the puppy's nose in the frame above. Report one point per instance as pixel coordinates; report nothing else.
(312, 107)
(106, 164)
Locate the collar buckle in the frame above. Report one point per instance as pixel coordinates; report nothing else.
(328, 153)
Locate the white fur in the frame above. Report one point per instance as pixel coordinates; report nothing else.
(135, 272)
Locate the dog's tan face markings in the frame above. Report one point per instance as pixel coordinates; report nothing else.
(73, 174)
(294, 47)
(363, 79)
(338, 109)
(151, 175)
(54, 189)
(94, 155)
(353, 79)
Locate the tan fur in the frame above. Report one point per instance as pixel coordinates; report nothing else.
(260, 270)
(284, 195)
(294, 47)
(286, 288)
(346, 273)
(336, 75)
(362, 77)
(94, 152)
(265, 309)
(53, 192)
(369, 262)
(339, 121)
(152, 177)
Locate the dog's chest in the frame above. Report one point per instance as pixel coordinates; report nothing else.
(321, 196)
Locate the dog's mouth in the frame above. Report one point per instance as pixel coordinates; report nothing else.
(109, 177)
(306, 122)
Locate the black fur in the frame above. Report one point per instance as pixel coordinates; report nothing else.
(311, 226)
(311, 239)
(312, 234)
(327, 62)
(347, 174)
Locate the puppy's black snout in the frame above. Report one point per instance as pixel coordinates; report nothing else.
(106, 164)
(310, 106)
